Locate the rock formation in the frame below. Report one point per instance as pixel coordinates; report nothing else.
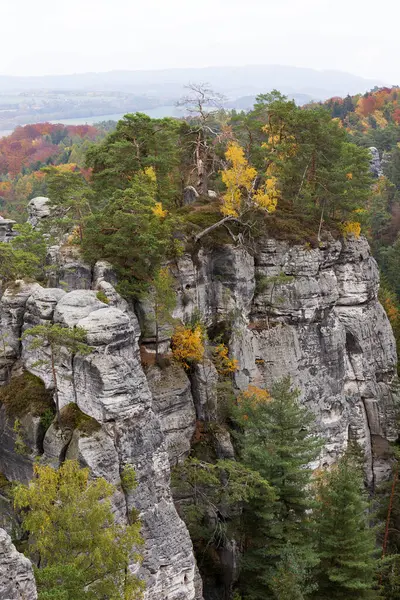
(375, 162)
(311, 313)
(6, 229)
(16, 575)
(38, 209)
(110, 386)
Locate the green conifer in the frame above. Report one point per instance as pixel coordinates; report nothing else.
(345, 539)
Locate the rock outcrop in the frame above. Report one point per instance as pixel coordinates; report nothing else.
(110, 386)
(375, 162)
(16, 575)
(6, 230)
(38, 209)
(312, 314)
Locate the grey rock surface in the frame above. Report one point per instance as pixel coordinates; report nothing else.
(173, 403)
(6, 230)
(38, 209)
(320, 322)
(375, 162)
(16, 575)
(69, 270)
(109, 385)
(311, 313)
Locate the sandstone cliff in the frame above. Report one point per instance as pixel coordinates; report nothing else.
(313, 314)
(16, 575)
(310, 313)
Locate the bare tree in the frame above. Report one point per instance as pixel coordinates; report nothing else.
(202, 104)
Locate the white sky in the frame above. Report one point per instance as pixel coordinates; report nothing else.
(69, 36)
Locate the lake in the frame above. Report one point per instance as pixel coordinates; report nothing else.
(156, 113)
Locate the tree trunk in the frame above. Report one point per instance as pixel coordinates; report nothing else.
(202, 183)
(157, 335)
(212, 227)
(53, 370)
(389, 513)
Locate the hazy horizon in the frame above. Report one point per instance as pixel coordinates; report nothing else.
(103, 35)
(191, 67)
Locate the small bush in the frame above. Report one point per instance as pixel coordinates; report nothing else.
(26, 394)
(262, 282)
(4, 483)
(102, 297)
(19, 445)
(188, 345)
(46, 418)
(128, 478)
(224, 365)
(71, 417)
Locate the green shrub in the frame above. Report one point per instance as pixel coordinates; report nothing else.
(128, 478)
(71, 417)
(25, 394)
(102, 297)
(46, 418)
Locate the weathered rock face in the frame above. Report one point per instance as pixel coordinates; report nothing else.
(6, 230)
(16, 575)
(312, 314)
(375, 162)
(173, 403)
(110, 386)
(38, 209)
(71, 272)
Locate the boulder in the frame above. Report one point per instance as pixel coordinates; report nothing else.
(16, 574)
(375, 162)
(38, 209)
(190, 195)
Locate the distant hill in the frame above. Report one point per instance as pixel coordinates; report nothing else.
(235, 82)
(247, 102)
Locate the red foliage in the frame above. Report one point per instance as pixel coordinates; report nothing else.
(396, 116)
(86, 131)
(366, 105)
(37, 143)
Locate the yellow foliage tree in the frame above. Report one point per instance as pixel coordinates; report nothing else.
(188, 345)
(224, 364)
(243, 189)
(351, 228)
(158, 211)
(255, 394)
(240, 179)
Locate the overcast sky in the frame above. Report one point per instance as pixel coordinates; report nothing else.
(69, 36)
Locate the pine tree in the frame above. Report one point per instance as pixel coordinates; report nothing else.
(57, 339)
(277, 441)
(79, 550)
(345, 540)
(162, 298)
(131, 233)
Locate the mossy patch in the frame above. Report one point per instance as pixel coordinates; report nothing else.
(25, 394)
(102, 297)
(288, 223)
(6, 487)
(71, 417)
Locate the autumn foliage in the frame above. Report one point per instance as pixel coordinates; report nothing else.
(28, 149)
(224, 365)
(241, 190)
(188, 345)
(255, 395)
(37, 143)
(351, 228)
